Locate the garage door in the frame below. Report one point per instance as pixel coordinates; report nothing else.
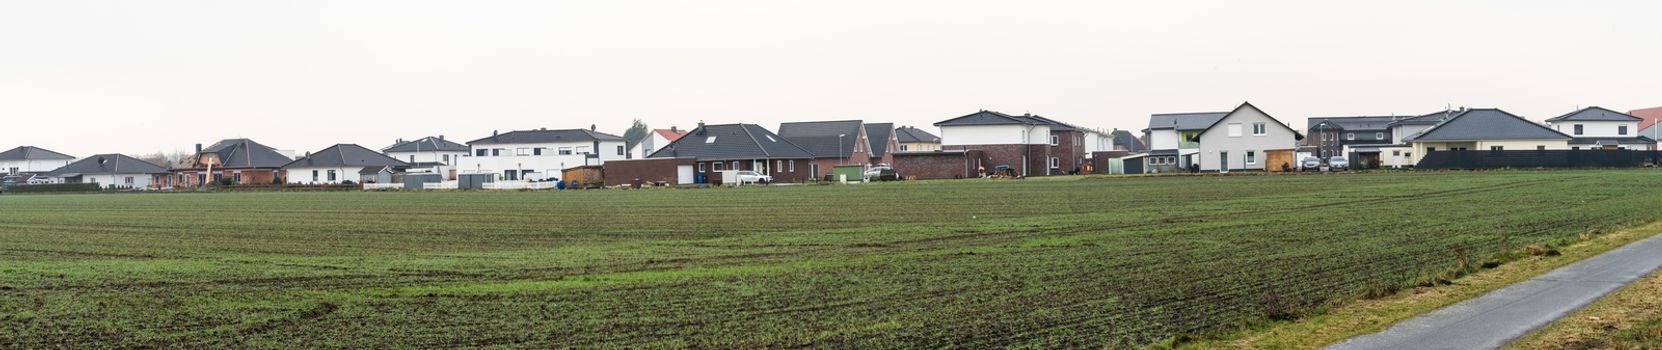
(683, 174)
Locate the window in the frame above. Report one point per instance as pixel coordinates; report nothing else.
(1379, 136)
(479, 152)
(1497, 148)
(1055, 162)
(620, 150)
(1575, 148)
(778, 165)
(314, 175)
(792, 164)
(1234, 129)
(715, 166)
(236, 177)
(1621, 130)
(712, 139)
(331, 176)
(701, 167)
(565, 151)
(496, 152)
(1408, 154)
(412, 158)
(1396, 153)
(583, 150)
(1251, 157)
(736, 165)
(1431, 149)
(1541, 148)
(1055, 140)
(447, 158)
(902, 148)
(537, 151)
(1350, 136)
(522, 151)
(1578, 129)
(129, 180)
(1259, 129)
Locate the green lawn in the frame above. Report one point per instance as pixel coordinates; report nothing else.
(1094, 262)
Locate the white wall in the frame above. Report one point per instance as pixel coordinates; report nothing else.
(32, 165)
(428, 156)
(918, 147)
(1597, 128)
(994, 135)
(1508, 145)
(303, 175)
(1216, 141)
(1397, 132)
(1162, 139)
(549, 163)
(651, 143)
(140, 181)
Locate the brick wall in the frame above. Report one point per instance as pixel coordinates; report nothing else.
(780, 169)
(650, 170)
(938, 165)
(993, 155)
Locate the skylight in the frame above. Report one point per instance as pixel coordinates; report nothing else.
(711, 139)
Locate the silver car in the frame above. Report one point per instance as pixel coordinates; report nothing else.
(1338, 163)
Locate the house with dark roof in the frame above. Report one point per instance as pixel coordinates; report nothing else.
(655, 139)
(1485, 129)
(1031, 145)
(912, 139)
(1247, 138)
(1172, 140)
(715, 148)
(431, 149)
(31, 159)
(341, 163)
(541, 153)
(110, 170)
(833, 143)
(241, 161)
(884, 143)
(1601, 128)
(1331, 135)
(1124, 140)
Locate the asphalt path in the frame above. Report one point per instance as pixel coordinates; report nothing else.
(1495, 319)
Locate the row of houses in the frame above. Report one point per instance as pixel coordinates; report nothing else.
(984, 142)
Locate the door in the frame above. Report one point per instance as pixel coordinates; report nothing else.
(1223, 161)
(684, 174)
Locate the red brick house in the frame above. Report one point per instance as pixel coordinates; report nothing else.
(243, 161)
(883, 142)
(832, 143)
(1030, 144)
(713, 148)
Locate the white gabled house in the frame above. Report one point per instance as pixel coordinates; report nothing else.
(338, 164)
(1242, 140)
(426, 150)
(541, 153)
(1600, 128)
(654, 140)
(108, 170)
(31, 159)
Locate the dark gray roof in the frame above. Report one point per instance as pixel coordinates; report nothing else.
(1637, 140)
(1486, 124)
(1355, 123)
(1428, 119)
(1185, 121)
(820, 138)
(245, 153)
(345, 155)
(426, 144)
(986, 117)
(32, 152)
(732, 142)
(1596, 113)
(1123, 137)
(1054, 125)
(108, 164)
(879, 134)
(546, 136)
(911, 134)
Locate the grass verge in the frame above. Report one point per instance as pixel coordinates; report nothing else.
(1335, 323)
(1630, 318)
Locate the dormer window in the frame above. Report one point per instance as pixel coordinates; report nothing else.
(711, 139)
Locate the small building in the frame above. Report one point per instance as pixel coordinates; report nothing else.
(591, 176)
(31, 159)
(912, 139)
(1601, 128)
(740, 147)
(242, 161)
(1485, 129)
(654, 140)
(427, 150)
(341, 163)
(109, 170)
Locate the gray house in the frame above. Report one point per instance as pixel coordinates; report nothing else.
(341, 163)
(109, 170)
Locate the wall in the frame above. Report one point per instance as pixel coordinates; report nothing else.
(1399, 131)
(249, 176)
(782, 170)
(105, 180)
(994, 135)
(1162, 139)
(32, 165)
(1069, 152)
(303, 175)
(428, 156)
(938, 165)
(624, 172)
(1012, 155)
(550, 162)
(1420, 148)
(919, 147)
(1216, 141)
(1597, 128)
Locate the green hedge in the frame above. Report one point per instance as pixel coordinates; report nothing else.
(55, 188)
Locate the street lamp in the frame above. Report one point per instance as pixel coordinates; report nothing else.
(841, 160)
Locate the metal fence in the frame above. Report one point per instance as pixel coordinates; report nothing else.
(1539, 159)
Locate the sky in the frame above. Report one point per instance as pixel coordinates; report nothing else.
(85, 77)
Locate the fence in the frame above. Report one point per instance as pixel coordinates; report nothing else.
(1539, 159)
(520, 185)
(375, 186)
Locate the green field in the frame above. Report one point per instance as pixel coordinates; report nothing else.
(1077, 262)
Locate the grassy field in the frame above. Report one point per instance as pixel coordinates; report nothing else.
(1099, 262)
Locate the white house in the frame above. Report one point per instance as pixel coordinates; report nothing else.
(1172, 139)
(426, 150)
(108, 170)
(541, 153)
(1485, 129)
(1241, 139)
(31, 159)
(1020, 142)
(655, 140)
(338, 164)
(1599, 128)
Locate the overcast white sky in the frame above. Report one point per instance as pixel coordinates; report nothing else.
(87, 77)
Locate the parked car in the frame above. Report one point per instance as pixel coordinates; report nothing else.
(751, 177)
(876, 172)
(1310, 164)
(1338, 163)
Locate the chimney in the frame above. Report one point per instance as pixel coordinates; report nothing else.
(700, 127)
(672, 129)
(593, 128)
(493, 133)
(198, 148)
(441, 137)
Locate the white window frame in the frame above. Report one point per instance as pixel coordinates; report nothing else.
(1350, 136)
(1055, 162)
(1379, 136)
(522, 151)
(1251, 157)
(1260, 129)
(1055, 140)
(565, 151)
(584, 150)
(1234, 129)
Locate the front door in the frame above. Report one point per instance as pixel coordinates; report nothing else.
(1223, 162)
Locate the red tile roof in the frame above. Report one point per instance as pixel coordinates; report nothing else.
(670, 135)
